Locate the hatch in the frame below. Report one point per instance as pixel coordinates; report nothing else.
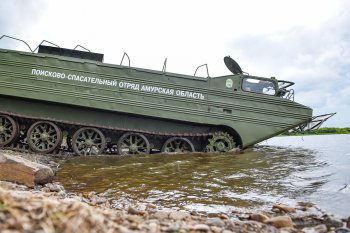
(232, 65)
(70, 53)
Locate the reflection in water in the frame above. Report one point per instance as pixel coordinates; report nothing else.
(259, 178)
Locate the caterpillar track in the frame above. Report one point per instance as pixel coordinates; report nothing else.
(64, 138)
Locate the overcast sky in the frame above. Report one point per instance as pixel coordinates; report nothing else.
(307, 42)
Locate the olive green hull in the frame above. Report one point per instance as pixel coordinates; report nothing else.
(70, 114)
(122, 97)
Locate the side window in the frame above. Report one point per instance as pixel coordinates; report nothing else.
(258, 86)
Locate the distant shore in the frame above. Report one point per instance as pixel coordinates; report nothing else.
(321, 131)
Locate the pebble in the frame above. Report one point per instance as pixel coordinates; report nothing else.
(216, 229)
(342, 230)
(134, 218)
(45, 189)
(134, 226)
(317, 229)
(61, 193)
(227, 231)
(123, 229)
(223, 216)
(172, 229)
(201, 227)
(54, 187)
(97, 200)
(258, 217)
(153, 227)
(179, 215)
(161, 215)
(132, 210)
(77, 198)
(280, 221)
(305, 204)
(321, 228)
(213, 215)
(332, 223)
(251, 226)
(284, 208)
(215, 222)
(91, 194)
(13, 186)
(151, 206)
(289, 230)
(2, 217)
(243, 216)
(53, 163)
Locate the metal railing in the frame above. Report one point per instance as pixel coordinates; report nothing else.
(44, 41)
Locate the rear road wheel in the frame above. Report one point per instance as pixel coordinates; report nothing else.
(133, 144)
(88, 141)
(178, 145)
(9, 130)
(44, 137)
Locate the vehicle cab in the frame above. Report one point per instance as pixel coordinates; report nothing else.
(259, 85)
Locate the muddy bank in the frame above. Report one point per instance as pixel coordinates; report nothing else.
(50, 208)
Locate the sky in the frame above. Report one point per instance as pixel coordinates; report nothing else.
(306, 42)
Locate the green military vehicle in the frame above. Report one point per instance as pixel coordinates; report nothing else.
(68, 99)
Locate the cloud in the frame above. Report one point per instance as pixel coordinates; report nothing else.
(17, 19)
(317, 59)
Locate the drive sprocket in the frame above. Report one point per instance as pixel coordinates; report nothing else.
(220, 142)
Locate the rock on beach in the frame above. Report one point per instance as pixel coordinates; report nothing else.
(23, 171)
(284, 208)
(280, 221)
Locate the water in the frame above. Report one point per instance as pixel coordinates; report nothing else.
(281, 170)
(332, 153)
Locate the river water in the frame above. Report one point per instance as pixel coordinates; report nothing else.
(280, 170)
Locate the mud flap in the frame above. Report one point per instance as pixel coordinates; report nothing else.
(315, 123)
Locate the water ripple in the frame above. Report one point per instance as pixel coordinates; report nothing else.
(258, 178)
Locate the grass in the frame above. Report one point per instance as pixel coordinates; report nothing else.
(321, 131)
(2, 205)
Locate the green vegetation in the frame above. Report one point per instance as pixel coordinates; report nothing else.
(321, 131)
(2, 205)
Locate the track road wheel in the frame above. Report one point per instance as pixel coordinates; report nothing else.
(178, 145)
(44, 137)
(133, 144)
(9, 130)
(88, 141)
(221, 142)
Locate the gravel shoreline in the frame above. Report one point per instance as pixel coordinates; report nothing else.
(50, 208)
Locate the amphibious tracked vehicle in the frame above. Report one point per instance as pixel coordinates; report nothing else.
(68, 99)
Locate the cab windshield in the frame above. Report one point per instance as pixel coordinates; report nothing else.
(258, 86)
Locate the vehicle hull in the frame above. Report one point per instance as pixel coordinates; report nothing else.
(132, 99)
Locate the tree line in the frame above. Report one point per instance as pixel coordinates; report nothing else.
(326, 130)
